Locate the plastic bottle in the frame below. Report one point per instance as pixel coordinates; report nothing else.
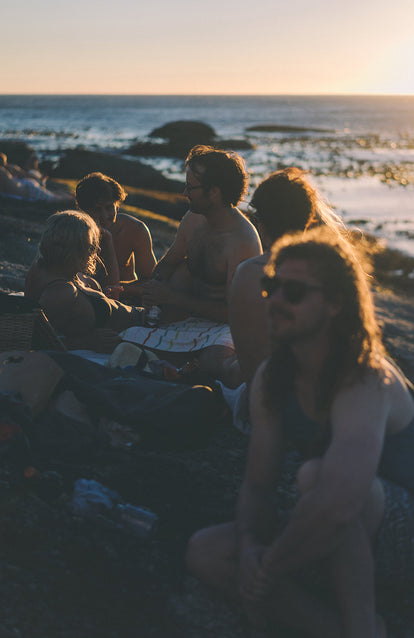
(153, 317)
(93, 500)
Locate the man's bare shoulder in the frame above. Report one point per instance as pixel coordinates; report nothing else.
(253, 265)
(381, 396)
(192, 220)
(244, 229)
(128, 223)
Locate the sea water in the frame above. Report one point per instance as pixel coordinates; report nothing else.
(359, 150)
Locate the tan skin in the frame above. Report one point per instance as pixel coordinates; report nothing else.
(247, 316)
(126, 250)
(341, 503)
(67, 305)
(195, 274)
(247, 312)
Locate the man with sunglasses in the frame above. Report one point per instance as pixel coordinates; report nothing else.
(329, 483)
(193, 277)
(284, 202)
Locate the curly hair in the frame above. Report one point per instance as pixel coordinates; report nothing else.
(224, 169)
(96, 188)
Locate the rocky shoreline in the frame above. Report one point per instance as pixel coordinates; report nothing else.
(63, 577)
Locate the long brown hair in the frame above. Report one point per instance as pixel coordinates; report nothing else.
(357, 344)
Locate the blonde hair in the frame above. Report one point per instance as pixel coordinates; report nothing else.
(70, 239)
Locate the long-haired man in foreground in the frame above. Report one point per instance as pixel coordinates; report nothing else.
(329, 473)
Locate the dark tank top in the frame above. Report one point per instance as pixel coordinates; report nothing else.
(397, 458)
(101, 306)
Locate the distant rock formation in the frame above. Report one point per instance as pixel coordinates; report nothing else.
(77, 163)
(281, 128)
(180, 137)
(17, 152)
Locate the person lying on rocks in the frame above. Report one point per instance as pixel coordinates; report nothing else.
(125, 244)
(59, 280)
(16, 183)
(283, 202)
(194, 276)
(329, 482)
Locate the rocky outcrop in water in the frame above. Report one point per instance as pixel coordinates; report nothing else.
(180, 137)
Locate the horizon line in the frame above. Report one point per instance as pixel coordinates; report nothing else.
(328, 94)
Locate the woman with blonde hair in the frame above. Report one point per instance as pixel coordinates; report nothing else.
(60, 281)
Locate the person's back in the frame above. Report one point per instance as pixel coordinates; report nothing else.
(74, 303)
(283, 202)
(126, 243)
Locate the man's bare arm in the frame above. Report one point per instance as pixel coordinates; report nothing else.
(255, 509)
(248, 317)
(141, 246)
(160, 292)
(177, 252)
(109, 258)
(347, 471)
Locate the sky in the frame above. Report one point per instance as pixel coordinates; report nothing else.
(207, 47)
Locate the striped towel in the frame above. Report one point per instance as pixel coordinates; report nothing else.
(189, 335)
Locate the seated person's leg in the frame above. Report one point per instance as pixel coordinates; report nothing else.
(351, 563)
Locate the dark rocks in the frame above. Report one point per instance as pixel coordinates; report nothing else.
(180, 138)
(281, 128)
(17, 152)
(187, 131)
(234, 145)
(77, 163)
(168, 204)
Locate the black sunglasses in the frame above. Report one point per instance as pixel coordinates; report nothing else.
(293, 290)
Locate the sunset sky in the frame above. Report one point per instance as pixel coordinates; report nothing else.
(219, 47)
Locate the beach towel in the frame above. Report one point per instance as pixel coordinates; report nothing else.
(189, 335)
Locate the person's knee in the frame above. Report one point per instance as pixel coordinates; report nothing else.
(195, 552)
(209, 549)
(308, 475)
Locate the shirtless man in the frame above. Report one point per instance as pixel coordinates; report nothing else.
(283, 202)
(126, 244)
(328, 394)
(195, 274)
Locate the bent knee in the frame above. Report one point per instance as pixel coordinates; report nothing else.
(195, 552)
(308, 475)
(209, 547)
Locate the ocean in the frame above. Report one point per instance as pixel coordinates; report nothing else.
(359, 150)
